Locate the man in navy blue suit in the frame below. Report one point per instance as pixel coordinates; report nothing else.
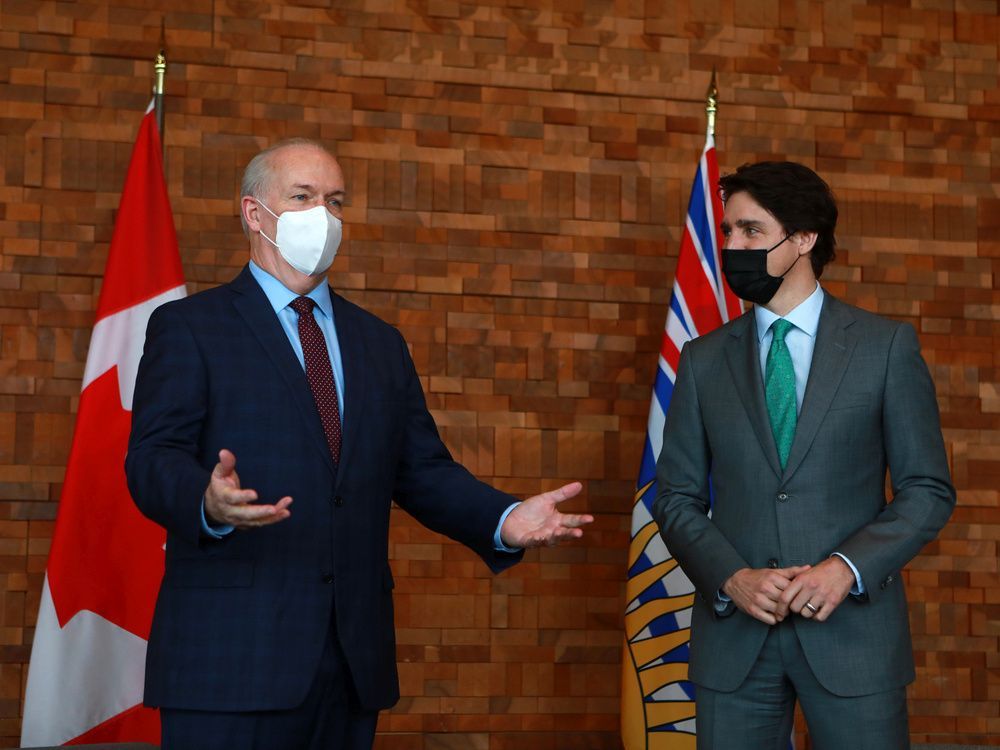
(273, 628)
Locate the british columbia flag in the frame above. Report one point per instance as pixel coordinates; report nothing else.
(657, 698)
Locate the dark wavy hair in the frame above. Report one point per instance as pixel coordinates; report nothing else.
(794, 195)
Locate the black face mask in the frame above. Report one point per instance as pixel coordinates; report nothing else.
(746, 273)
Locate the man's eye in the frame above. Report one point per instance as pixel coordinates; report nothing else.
(335, 202)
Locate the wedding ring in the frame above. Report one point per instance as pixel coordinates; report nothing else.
(811, 608)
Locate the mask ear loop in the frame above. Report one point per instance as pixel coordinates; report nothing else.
(264, 206)
(797, 256)
(260, 231)
(779, 244)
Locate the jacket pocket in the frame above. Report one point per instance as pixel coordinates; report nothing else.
(851, 401)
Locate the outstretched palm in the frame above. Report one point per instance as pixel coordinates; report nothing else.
(537, 521)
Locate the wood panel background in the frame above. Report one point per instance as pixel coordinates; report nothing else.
(518, 175)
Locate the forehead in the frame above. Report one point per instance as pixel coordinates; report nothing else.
(741, 207)
(306, 165)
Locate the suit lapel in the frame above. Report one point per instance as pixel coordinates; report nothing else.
(252, 305)
(835, 343)
(743, 358)
(353, 357)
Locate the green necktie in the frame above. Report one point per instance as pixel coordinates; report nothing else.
(779, 389)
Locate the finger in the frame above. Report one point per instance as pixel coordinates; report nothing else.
(773, 595)
(790, 592)
(554, 535)
(749, 605)
(283, 502)
(764, 603)
(808, 613)
(780, 613)
(778, 582)
(562, 535)
(563, 493)
(763, 616)
(226, 465)
(259, 515)
(278, 508)
(786, 600)
(574, 520)
(792, 572)
(824, 612)
(798, 604)
(235, 497)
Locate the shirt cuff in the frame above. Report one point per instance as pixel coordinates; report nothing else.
(498, 544)
(721, 602)
(216, 532)
(859, 586)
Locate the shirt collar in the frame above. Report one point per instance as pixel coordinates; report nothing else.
(281, 296)
(805, 316)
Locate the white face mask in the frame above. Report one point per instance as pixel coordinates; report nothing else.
(307, 240)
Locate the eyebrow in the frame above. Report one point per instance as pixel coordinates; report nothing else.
(311, 189)
(743, 223)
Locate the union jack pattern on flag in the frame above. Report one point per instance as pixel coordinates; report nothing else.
(657, 698)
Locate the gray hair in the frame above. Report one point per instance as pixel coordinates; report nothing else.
(257, 176)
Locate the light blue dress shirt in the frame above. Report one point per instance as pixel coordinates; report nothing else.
(280, 297)
(800, 339)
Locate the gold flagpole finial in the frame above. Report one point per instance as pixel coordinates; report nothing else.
(160, 68)
(160, 72)
(160, 65)
(712, 104)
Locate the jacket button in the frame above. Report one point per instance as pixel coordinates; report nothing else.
(772, 563)
(338, 501)
(782, 497)
(327, 578)
(886, 582)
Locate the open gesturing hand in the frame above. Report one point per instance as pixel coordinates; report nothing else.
(226, 502)
(537, 521)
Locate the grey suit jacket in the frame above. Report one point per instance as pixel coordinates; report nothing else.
(869, 407)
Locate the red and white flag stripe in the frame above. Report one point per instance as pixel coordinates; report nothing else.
(85, 680)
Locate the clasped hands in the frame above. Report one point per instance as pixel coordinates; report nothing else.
(533, 523)
(771, 594)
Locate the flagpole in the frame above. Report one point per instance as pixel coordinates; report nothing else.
(712, 104)
(159, 72)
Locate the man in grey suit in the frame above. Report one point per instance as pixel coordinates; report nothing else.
(780, 432)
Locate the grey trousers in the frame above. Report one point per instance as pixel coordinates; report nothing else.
(758, 715)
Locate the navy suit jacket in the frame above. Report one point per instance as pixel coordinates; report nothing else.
(240, 622)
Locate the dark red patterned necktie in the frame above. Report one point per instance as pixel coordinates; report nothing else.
(319, 373)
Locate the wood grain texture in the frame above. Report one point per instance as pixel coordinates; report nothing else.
(518, 175)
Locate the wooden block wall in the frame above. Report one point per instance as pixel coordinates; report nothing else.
(518, 175)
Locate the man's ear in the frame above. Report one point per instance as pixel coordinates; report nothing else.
(250, 208)
(805, 241)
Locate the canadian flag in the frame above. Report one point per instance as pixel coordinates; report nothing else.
(85, 681)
